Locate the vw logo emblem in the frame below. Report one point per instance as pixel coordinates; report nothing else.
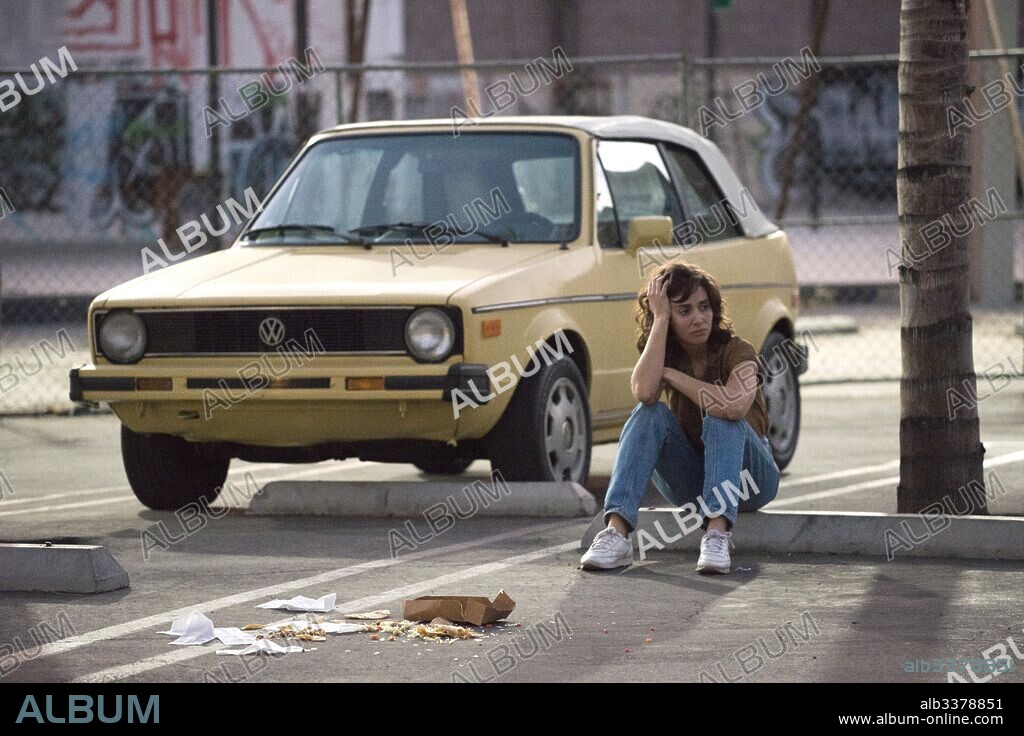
(271, 331)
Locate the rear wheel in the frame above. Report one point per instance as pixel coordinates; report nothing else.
(782, 399)
(167, 472)
(544, 434)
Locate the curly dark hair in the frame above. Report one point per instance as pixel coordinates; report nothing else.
(684, 279)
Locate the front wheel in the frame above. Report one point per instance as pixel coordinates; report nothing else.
(544, 434)
(782, 398)
(168, 472)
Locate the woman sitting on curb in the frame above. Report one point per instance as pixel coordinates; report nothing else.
(714, 432)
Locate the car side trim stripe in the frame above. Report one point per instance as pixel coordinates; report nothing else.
(526, 303)
(622, 296)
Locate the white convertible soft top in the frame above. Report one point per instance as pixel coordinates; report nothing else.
(635, 127)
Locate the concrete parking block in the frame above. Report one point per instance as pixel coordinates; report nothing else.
(412, 498)
(59, 568)
(837, 532)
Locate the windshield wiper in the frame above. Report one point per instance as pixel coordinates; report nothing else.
(422, 226)
(282, 229)
(490, 237)
(384, 228)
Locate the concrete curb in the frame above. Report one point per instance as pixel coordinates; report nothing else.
(837, 532)
(59, 568)
(413, 498)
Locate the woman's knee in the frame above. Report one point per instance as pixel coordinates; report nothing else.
(717, 426)
(649, 423)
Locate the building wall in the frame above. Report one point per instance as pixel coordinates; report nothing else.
(599, 27)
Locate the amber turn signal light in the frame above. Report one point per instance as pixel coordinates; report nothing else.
(490, 328)
(364, 384)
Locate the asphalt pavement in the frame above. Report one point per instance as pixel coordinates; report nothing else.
(776, 617)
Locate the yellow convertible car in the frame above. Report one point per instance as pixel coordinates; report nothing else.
(409, 294)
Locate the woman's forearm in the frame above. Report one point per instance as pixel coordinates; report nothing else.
(646, 382)
(712, 398)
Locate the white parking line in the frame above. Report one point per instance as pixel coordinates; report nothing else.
(1012, 457)
(122, 497)
(842, 490)
(866, 469)
(395, 594)
(863, 470)
(273, 591)
(8, 502)
(124, 487)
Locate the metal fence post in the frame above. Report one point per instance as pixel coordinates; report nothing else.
(339, 103)
(684, 91)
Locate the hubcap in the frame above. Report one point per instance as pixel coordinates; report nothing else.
(565, 431)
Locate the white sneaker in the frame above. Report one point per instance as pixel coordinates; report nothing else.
(714, 552)
(608, 550)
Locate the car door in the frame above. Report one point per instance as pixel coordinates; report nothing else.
(631, 180)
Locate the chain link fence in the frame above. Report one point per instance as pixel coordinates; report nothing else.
(104, 167)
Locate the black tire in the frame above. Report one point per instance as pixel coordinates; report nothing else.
(782, 398)
(444, 462)
(518, 444)
(168, 472)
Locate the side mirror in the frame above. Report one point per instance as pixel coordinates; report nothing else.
(645, 232)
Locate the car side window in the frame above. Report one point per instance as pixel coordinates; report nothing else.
(707, 210)
(639, 182)
(607, 220)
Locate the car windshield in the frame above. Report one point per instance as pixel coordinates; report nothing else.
(475, 188)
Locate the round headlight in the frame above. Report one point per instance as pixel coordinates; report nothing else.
(123, 337)
(430, 334)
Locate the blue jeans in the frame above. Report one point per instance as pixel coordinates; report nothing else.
(654, 446)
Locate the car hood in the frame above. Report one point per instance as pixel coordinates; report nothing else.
(321, 275)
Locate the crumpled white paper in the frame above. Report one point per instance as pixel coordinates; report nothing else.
(264, 646)
(233, 636)
(301, 624)
(194, 629)
(191, 629)
(302, 603)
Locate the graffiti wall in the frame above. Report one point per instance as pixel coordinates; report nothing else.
(848, 160)
(114, 158)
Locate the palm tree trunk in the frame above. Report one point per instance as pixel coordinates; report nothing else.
(940, 449)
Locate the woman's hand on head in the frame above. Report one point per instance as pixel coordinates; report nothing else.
(657, 296)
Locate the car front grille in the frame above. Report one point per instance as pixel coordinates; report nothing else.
(237, 331)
